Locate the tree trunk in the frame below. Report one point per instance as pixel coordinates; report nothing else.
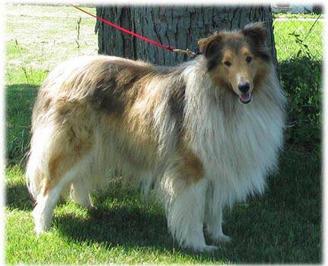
(178, 27)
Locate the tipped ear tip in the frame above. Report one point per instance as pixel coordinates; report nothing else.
(255, 25)
(204, 42)
(206, 45)
(200, 42)
(256, 30)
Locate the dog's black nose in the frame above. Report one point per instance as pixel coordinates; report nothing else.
(243, 87)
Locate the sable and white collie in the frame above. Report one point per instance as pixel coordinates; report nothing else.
(204, 134)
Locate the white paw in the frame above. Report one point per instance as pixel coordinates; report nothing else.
(218, 236)
(209, 248)
(41, 221)
(40, 227)
(223, 238)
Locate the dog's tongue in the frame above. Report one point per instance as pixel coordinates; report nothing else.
(245, 97)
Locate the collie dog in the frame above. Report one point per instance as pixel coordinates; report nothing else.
(203, 135)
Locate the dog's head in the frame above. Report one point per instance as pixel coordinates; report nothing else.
(237, 60)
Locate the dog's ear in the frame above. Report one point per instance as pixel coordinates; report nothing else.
(211, 45)
(256, 32)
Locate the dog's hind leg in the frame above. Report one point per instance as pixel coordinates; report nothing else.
(46, 202)
(80, 192)
(214, 226)
(49, 196)
(54, 163)
(214, 214)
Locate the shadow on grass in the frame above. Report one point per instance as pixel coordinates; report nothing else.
(125, 226)
(18, 197)
(19, 103)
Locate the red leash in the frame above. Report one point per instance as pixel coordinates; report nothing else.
(158, 44)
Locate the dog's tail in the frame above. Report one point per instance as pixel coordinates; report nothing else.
(37, 166)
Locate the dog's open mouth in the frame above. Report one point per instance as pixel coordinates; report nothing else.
(245, 97)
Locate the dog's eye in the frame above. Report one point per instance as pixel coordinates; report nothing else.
(249, 59)
(227, 63)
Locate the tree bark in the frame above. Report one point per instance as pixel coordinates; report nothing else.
(178, 27)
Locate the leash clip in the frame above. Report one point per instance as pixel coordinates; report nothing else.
(188, 52)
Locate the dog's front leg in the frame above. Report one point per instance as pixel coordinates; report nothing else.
(185, 208)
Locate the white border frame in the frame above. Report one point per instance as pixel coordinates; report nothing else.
(2, 135)
(163, 2)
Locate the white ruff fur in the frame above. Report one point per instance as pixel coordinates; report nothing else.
(237, 144)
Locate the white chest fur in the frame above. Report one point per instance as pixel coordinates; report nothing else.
(238, 144)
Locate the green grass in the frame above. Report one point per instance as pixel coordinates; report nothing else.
(282, 226)
(286, 42)
(50, 37)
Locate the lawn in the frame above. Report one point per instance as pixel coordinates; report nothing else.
(282, 226)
